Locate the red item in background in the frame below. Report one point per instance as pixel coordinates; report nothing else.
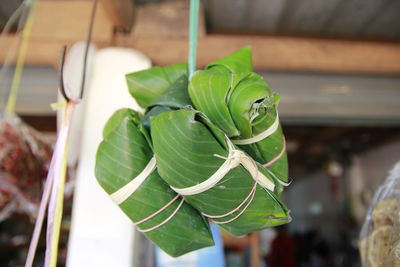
(282, 252)
(24, 161)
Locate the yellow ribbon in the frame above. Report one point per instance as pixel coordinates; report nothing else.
(68, 108)
(12, 98)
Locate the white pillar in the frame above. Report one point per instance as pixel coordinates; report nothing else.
(101, 235)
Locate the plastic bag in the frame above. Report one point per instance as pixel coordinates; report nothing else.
(24, 161)
(380, 235)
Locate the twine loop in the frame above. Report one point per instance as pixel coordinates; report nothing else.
(127, 190)
(268, 132)
(235, 158)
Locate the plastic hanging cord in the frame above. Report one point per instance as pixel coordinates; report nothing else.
(193, 30)
(10, 108)
(11, 21)
(54, 190)
(58, 172)
(57, 193)
(19, 15)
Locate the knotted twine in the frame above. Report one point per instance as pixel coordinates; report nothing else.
(235, 158)
(268, 132)
(127, 190)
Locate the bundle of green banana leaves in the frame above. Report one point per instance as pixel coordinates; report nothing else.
(239, 102)
(207, 143)
(189, 150)
(157, 211)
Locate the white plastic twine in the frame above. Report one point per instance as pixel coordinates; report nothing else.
(124, 192)
(269, 131)
(127, 190)
(234, 159)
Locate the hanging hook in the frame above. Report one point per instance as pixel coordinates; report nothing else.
(85, 59)
(88, 40)
(61, 75)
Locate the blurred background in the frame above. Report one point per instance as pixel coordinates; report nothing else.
(335, 63)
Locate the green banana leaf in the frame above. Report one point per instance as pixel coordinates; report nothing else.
(185, 144)
(121, 156)
(151, 113)
(159, 89)
(240, 102)
(174, 97)
(165, 86)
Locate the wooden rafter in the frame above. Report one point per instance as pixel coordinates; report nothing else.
(282, 53)
(121, 12)
(164, 40)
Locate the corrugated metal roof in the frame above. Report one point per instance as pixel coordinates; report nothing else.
(321, 18)
(368, 19)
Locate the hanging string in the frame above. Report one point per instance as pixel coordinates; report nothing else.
(56, 202)
(88, 41)
(193, 30)
(58, 174)
(10, 108)
(19, 16)
(11, 21)
(53, 194)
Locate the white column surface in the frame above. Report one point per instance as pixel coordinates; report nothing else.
(101, 235)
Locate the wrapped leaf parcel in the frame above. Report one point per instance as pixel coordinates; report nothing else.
(190, 152)
(163, 216)
(202, 157)
(239, 102)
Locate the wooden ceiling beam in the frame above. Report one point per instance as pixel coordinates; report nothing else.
(282, 53)
(68, 21)
(165, 42)
(40, 53)
(58, 23)
(121, 13)
(269, 53)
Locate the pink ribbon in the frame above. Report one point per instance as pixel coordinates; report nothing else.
(277, 157)
(50, 191)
